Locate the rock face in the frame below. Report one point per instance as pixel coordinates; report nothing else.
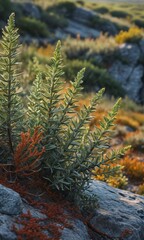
(120, 215)
(129, 70)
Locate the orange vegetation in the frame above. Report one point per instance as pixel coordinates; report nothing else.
(133, 167)
(27, 155)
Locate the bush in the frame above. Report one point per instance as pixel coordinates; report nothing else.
(119, 14)
(63, 8)
(102, 10)
(139, 23)
(53, 20)
(59, 142)
(5, 9)
(33, 26)
(95, 77)
(133, 35)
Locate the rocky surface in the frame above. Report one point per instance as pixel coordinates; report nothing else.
(129, 70)
(120, 215)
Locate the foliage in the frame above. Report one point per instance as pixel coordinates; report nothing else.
(133, 168)
(87, 48)
(119, 14)
(122, 119)
(10, 110)
(141, 189)
(27, 156)
(134, 34)
(136, 140)
(53, 20)
(33, 26)
(102, 10)
(5, 9)
(65, 8)
(69, 150)
(94, 77)
(112, 174)
(138, 22)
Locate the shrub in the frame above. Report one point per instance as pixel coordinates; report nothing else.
(95, 77)
(119, 14)
(136, 140)
(5, 9)
(33, 26)
(63, 8)
(102, 10)
(97, 22)
(133, 168)
(115, 179)
(134, 34)
(53, 20)
(71, 149)
(139, 23)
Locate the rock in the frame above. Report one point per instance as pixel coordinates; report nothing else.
(75, 29)
(134, 83)
(120, 214)
(130, 53)
(83, 15)
(31, 10)
(121, 72)
(10, 201)
(5, 228)
(130, 78)
(78, 232)
(141, 45)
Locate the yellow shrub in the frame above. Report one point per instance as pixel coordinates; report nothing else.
(141, 189)
(125, 120)
(133, 168)
(46, 51)
(134, 34)
(115, 179)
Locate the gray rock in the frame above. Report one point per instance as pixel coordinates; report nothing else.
(5, 226)
(134, 83)
(130, 78)
(129, 53)
(120, 213)
(10, 201)
(78, 232)
(30, 9)
(83, 15)
(75, 29)
(121, 72)
(141, 45)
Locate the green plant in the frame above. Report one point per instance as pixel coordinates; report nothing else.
(119, 14)
(54, 20)
(102, 10)
(139, 22)
(33, 26)
(94, 77)
(64, 8)
(70, 149)
(69, 156)
(10, 104)
(5, 9)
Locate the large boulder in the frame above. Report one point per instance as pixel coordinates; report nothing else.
(120, 214)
